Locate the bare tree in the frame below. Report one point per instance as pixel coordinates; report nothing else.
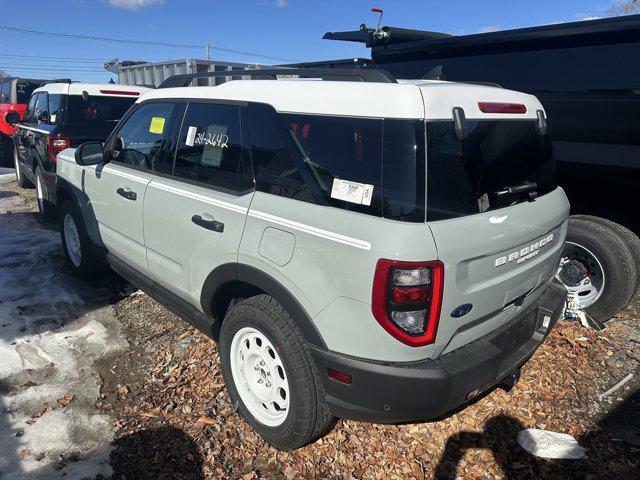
(624, 7)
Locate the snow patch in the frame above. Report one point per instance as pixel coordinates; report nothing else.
(52, 330)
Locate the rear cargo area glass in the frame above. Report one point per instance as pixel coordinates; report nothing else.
(471, 176)
(96, 111)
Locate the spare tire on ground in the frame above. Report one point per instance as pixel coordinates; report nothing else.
(599, 266)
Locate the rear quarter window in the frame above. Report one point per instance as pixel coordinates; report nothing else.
(343, 149)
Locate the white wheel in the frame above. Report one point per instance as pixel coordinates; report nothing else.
(72, 240)
(582, 274)
(39, 194)
(260, 377)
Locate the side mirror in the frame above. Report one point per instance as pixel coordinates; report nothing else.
(89, 153)
(12, 118)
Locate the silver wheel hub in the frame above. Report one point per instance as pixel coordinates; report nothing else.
(72, 240)
(16, 165)
(39, 194)
(259, 376)
(582, 274)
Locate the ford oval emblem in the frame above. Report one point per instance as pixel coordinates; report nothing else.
(462, 310)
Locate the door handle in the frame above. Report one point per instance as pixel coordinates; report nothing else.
(208, 224)
(128, 194)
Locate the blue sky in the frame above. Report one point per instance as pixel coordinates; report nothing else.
(281, 28)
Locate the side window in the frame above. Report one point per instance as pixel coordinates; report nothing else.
(276, 172)
(29, 114)
(4, 91)
(140, 140)
(210, 147)
(41, 109)
(344, 155)
(55, 107)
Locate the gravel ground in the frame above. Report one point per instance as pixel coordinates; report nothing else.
(174, 419)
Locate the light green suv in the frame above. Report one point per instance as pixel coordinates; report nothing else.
(374, 249)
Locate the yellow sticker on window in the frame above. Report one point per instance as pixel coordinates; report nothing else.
(157, 125)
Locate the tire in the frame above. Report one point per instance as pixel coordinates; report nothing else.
(610, 254)
(6, 156)
(22, 180)
(630, 238)
(307, 415)
(88, 264)
(45, 207)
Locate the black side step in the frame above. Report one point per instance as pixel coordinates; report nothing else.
(164, 297)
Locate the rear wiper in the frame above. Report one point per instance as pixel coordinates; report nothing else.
(530, 187)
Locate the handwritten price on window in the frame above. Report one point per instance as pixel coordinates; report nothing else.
(215, 140)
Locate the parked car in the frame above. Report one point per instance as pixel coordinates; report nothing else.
(14, 96)
(368, 249)
(587, 76)
(59, 116)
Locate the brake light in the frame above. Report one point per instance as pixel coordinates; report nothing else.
(119, 92)
(406, 299)
(56, 145)
(497, 107)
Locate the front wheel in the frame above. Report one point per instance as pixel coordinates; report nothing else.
(80, 252)
(597, 268)
(270, 374)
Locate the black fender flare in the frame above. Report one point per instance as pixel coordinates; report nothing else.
(250, 275)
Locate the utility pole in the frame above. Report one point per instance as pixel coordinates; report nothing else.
(206, 50)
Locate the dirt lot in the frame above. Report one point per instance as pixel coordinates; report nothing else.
(173, 419)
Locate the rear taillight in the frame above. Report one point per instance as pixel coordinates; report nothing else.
(406, 299)
(497, 107)
(56, 145)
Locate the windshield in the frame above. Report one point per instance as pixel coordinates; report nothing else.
(96, 111)
(500, 163)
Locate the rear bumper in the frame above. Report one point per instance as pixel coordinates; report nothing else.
(393, 392)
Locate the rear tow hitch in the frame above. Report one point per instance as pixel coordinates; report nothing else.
(508, 382)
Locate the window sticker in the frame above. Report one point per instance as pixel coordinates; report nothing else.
(214, 142)
(353, 192)
(157, 125)
(191, 136)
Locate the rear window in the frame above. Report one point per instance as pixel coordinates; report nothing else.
(96, 110)
(473, 175)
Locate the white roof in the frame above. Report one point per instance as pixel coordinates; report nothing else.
(94, 89)
(406, 99)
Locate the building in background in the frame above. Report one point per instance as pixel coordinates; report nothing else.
(154, 73)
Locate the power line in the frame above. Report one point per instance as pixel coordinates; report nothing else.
(79, 59)
(15, 67)
(137, 42)
(67, 67)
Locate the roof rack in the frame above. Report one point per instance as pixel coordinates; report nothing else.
(327, 74)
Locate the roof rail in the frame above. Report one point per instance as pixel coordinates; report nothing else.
(328, 74)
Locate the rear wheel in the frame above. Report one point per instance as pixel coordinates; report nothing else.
(6, 152)
(22, 180)
(270, 374)
(45, 207)
(80, 252)
(598, 269)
